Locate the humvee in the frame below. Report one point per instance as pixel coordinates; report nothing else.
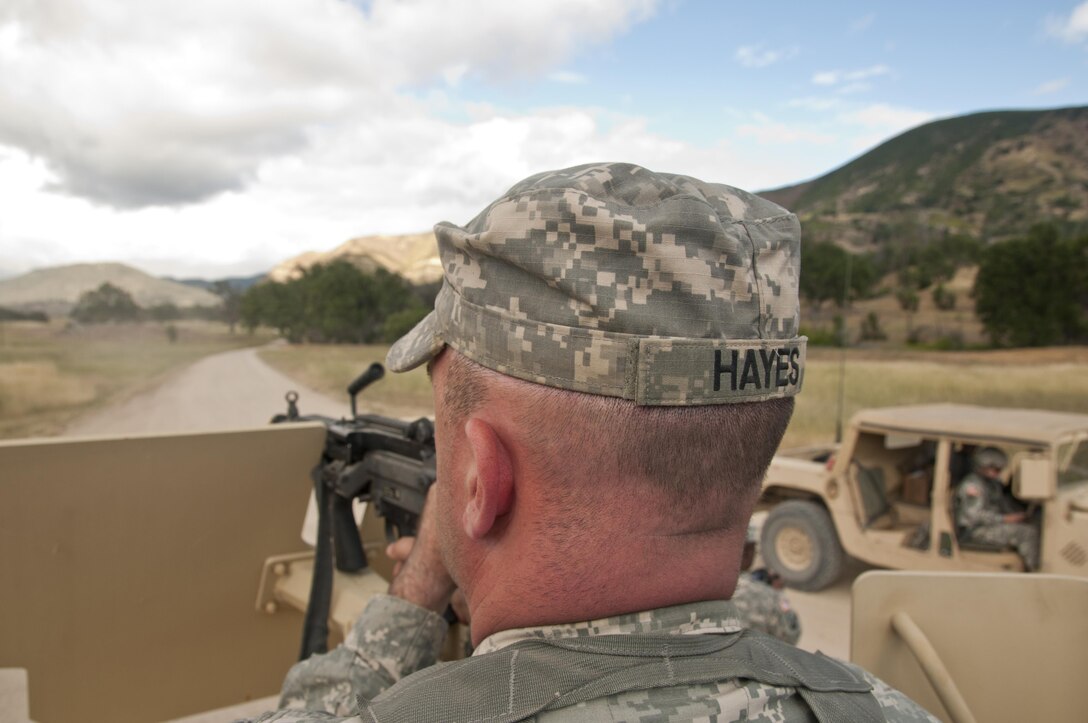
(151, 577)
(885, 495)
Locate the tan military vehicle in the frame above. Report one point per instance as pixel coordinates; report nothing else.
(154, 577)
(885, 495)
(976, 646)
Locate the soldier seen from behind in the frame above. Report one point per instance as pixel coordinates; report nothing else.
(987, 513)
(614, 355)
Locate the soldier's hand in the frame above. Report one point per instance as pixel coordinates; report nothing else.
(1015, 517)
(398, 552)
(421, 576)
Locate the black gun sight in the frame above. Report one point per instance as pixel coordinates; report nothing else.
(373, 373)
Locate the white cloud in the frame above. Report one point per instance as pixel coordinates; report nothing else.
(1051, 86)
(862, 23)
(850, 77)
(769, 132)
(880, 122)
(1071, 29)
(881, 115)
(568, 77)
(814, 103)
(754, 56)
(162, 102)
(397, 172)
(850, 88)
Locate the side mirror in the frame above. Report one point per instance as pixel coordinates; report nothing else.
(1033, 479)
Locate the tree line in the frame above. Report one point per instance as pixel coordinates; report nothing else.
(327, 303)
(112, 304)
(1030, 291)
(336, 303)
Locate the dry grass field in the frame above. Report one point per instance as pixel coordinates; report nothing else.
(49, 374)
(52, 373)
(329, 368)
(1055, 378)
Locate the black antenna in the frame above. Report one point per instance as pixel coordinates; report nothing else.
(842, 346)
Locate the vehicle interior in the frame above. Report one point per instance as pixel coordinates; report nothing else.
(895, 477)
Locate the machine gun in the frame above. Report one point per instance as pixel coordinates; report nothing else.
(384, 461)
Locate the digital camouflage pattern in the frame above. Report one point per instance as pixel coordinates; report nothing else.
(391, 639)
(612, 279)
(385, 634)
(761, 607)
(981, 505)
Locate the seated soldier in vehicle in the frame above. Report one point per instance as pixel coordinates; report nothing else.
(759, 598)
(986, 512)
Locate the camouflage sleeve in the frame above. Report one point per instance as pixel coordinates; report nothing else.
(391, 639)
(973, 506)
(301, 716)
(763, 608)
(895, 705)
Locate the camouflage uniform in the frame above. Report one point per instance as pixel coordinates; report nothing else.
(394, 639)
(659, 289)
(981, 505)
(761, 607)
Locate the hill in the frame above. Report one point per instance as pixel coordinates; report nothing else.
(413, 256)
(989, 175)
(237, 283)
(55, 290)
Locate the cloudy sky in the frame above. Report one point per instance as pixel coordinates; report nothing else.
(219, 137)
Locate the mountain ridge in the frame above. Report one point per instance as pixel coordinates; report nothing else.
(413, 256)
(56, 289)
(991, 175)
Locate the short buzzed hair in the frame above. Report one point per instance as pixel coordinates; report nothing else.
(705, 463)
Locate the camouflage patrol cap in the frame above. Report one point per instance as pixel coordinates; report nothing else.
(611, 279)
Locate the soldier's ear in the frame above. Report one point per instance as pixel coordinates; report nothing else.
(491, 484)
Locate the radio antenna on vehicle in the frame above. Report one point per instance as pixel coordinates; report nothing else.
(842, 348)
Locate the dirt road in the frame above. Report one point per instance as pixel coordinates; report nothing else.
(825, 615)
(225, 391)
(236, 389)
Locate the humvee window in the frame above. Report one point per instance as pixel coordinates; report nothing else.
(893, 474)
(1073, 463)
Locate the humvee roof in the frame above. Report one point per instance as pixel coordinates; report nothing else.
(1028, 426)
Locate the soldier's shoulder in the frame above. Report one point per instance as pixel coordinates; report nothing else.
(895, 705)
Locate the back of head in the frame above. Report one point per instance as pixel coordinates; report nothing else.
(652, 318)
(676, 468)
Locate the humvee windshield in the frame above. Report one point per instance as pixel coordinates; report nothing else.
(1073, 462)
